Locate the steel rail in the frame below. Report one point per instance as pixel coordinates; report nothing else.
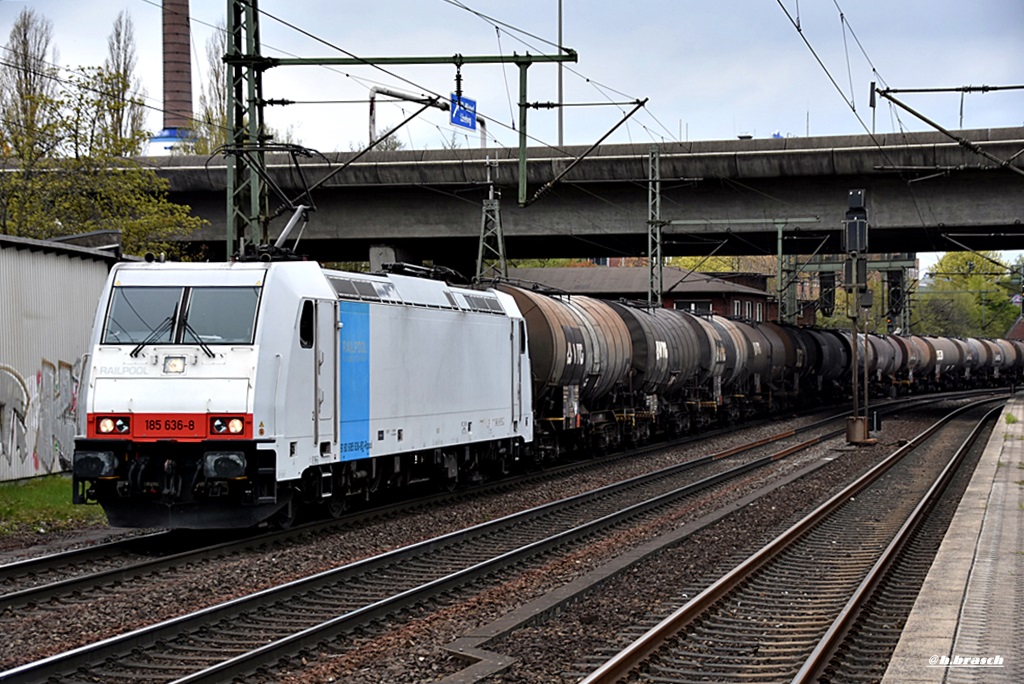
(624, 662)
(819, 658)
(246, 663)
(84, 582)
(68, 585)
(81, 556)
(27, 566)
(85, 656)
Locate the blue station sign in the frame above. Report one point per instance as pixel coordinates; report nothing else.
(463, 112)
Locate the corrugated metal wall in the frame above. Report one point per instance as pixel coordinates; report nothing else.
(47, 304)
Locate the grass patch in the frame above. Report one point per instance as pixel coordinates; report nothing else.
(43, 504)
(1010, 419)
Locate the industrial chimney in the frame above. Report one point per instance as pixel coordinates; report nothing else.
(177, 78)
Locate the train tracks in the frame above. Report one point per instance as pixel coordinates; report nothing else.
(785, 612)
(237, 636)
(84, 571)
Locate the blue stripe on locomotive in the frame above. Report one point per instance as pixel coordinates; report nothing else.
(355, 380)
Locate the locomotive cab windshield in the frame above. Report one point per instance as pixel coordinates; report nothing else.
(181, 315)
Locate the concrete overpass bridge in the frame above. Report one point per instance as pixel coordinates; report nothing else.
(733, 196)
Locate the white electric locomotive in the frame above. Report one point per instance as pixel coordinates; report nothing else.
(226, 394)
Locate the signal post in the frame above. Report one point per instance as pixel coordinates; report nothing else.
(855, 242)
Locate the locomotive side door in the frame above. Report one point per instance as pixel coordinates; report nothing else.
(325, 377)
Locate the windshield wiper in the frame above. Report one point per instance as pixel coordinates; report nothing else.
(202, 345)
(160, 330)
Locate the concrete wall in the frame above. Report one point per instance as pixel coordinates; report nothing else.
(48, 296)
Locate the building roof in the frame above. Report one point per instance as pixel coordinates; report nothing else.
(51, 247)
(1016, 331)
(601, 281)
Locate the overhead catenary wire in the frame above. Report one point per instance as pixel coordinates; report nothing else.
(369, 62)
(328, 43)
(600, 87)
(439, 130)
(504, 75)
(367, 83)
(871, 133)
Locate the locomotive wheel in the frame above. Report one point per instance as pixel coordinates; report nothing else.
(497, 464)
(285, 518)
(446, 481)
(374, 483)
(335, 506)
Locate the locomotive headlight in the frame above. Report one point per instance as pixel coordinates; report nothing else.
(108, 426)
(174, 364)
(231, 426)
(93, 464)
(224, 465)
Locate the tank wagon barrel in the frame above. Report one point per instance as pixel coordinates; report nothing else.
(611, 348)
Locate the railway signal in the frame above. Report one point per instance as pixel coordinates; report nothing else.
(855, 242)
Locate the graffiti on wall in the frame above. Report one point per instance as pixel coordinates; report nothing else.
(37, 418)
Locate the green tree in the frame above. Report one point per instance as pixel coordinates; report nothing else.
(968, 294)
(122, 106)
(80, 178)
(873, 317)
(388, 144)
(95, 118)
(549, 263)
(725, 264)
(211, 125)
(29, 116)
(28, 89)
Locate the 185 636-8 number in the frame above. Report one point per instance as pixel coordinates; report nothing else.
(169, 424)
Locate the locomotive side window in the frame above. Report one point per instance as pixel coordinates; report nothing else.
(222, 315)
(142, 314)
(306, 325)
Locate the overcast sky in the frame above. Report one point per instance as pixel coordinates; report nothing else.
(711, 70)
